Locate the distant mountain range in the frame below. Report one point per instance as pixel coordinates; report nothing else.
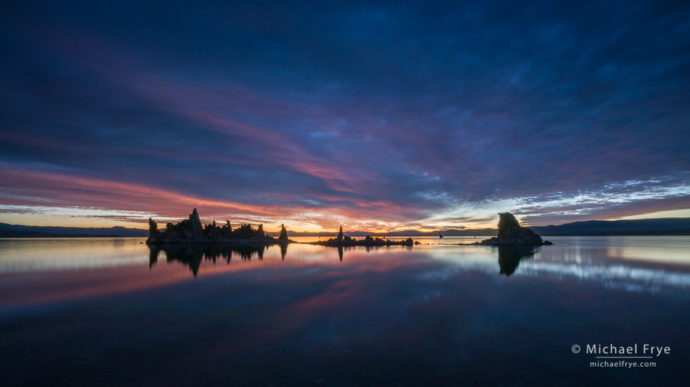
(18, 231)
(665, 226)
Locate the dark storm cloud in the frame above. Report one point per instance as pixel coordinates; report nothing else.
(372, 110)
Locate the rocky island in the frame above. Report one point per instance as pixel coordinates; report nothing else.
(510, 233)
(191, 231)
(346, 241)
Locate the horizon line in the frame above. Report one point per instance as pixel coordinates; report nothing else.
(335, 231)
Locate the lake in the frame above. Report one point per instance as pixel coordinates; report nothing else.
(108, 311)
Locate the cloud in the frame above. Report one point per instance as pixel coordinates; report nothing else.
(376, 115)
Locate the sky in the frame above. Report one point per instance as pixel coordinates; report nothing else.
(377, 116)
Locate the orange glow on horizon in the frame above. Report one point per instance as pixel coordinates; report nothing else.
(60, 199)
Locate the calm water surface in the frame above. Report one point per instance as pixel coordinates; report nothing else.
(111, 312)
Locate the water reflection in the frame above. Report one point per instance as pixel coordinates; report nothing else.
(41, 254)
(192, 256)
(283, 251)
(633, 263)
(509, 257)
(334, 314)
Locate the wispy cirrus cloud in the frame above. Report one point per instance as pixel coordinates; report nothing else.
(374, 116)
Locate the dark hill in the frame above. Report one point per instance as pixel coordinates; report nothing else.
(664, 226)
(19, 231)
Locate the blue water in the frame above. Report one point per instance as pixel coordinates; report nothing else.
(111, 312)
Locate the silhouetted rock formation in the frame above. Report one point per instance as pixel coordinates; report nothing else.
(153, 228)
(283, 233)
(191, 231)
(195, 222)
(510, 233)
(345, 241)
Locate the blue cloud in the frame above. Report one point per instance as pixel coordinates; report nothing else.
(429, 107)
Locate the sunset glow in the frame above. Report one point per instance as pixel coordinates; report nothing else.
(434, 121)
